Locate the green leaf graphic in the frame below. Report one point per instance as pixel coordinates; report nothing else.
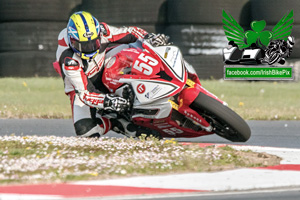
(236, 33)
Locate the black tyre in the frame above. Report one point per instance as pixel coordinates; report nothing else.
(225, 122)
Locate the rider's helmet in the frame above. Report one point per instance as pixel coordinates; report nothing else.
(84, 34)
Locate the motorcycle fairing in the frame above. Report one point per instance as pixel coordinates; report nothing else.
(151, 106)
(148, 91)
(159, 110)
(174, 67)
(171, 56)
(140, 68)
(169, 128)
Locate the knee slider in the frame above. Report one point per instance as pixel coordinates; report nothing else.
(88, 128)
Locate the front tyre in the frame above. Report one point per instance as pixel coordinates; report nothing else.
(225, 122)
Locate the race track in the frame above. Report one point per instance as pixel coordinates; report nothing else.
(264, 133)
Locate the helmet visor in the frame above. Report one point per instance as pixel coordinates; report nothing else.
(86, 47)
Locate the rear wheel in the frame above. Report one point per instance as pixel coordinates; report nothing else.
(225, 122)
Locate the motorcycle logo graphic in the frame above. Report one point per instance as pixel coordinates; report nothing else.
(258, 46)
(141, 88)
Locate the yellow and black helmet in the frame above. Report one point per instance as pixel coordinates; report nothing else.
(84, 34)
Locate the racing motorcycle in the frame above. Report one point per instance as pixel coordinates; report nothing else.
(278, 50)
(165, 96)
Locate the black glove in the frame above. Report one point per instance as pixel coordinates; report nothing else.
(115, 103)
(158, 39)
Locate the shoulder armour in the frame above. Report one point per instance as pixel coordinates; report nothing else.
(104, 29)
(70, 62)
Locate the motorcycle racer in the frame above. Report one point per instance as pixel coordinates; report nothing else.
(278, 50)
(80, 57)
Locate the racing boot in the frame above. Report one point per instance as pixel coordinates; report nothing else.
(131, 130)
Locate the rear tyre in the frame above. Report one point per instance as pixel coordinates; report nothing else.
(225, 122)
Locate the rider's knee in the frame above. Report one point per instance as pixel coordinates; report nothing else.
(88, 128)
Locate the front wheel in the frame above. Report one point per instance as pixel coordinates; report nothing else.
(225, 122)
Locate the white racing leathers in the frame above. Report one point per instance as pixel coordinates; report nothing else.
(83, 78)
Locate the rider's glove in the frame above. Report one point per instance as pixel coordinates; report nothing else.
(158, 39)
(115, 103)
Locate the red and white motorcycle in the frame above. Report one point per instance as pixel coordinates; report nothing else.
(165, 96)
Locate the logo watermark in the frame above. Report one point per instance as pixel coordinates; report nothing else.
(241, 72)
(253, 54)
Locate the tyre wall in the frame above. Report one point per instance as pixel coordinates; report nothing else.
(29, 28)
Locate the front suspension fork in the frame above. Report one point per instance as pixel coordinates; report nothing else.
(185, 98)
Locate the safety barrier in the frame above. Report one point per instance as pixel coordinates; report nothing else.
(29, 28)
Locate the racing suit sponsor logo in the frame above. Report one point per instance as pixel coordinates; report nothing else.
(92, 100)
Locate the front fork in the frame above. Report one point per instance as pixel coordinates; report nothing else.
(186, 97)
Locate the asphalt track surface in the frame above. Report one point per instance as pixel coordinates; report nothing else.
(264, 133)
(249, 195)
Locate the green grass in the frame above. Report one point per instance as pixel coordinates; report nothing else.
(33, 98)
(45, 98)
(260, 100)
